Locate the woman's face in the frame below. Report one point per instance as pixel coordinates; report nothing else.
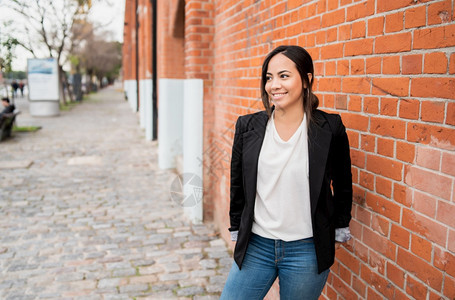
(283, 83)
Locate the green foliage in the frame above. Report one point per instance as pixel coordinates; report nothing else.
(26, 128)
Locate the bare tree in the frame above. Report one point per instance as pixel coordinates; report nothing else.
(97, 56)
(47, 26)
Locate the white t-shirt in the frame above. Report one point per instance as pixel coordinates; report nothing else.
(282, 209)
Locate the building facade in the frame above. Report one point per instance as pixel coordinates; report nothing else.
(387, 67)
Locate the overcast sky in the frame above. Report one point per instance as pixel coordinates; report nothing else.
(110, 14)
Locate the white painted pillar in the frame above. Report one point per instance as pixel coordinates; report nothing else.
(170, 122)
(149, 110)
(192, 146)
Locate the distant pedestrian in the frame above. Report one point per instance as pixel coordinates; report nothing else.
(21, 87)
(14, 86)
(291, 186)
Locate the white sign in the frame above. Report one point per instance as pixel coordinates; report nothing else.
(43, 83)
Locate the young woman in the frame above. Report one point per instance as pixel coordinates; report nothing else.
(291, 186)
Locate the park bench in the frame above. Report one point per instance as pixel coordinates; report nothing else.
(6, 124)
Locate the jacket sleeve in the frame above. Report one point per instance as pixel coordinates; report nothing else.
(236, 192)
(341, 176)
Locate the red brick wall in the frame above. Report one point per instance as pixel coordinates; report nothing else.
(388, 68)
(145, 39)
(129, 41)
(170, 48)
(199, 30)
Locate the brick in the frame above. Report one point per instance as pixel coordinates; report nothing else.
(371, 105)
(440, 137)
(395, 86)
(343, 67)
(394, 22)
(359, 286)
(385, 147)
(429, 182)
(341, 102)
(451, 246)
(392, 43)
(361, 251)
(344, 32)
(449, 287)
(373, 295)
(415, 288)
(445, 261)
(355, 103)
(381, 225)
(358, 158)
(425, 204)
(373, 65)
(367, 180)
(388, 127)
(343, 289)
(345, 274)
(349, 260)
(395, 274)
(448, 163)
(440, 12)
(358, 29)
(412, 64)
(379, 243)
(419, 268)
(452, 64)
(450, 119)
(433, 111)
(446, 213)
(421, 247)
(424, 226)
(377, 282)
(391, 65)
(330, 68)
(357, 66)
(386, 208)
(360, 10)
(332, 51)
(359, 47)
(386, 5)
(435, 63)
(363, 215)
(368, 143)
(353, 138)
(383, 186)
(415, 17)
(428, 158)
(376, 26)
(435, 37)
(329, 84)
(400, 236)
(333, 18)
(402, 194)
(389, 106)
(409, 109)
(356, 85)
(329, 101)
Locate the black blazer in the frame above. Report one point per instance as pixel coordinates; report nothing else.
(330, 167)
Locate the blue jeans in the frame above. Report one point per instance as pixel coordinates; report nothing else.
(294, 263)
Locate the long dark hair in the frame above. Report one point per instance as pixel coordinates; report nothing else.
(304, 64)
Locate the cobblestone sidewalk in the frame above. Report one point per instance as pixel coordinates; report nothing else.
(85, 213)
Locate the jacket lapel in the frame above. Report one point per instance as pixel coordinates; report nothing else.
(252, 143)
(318, 148)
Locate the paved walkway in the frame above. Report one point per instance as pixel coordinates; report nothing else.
(85, 213)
